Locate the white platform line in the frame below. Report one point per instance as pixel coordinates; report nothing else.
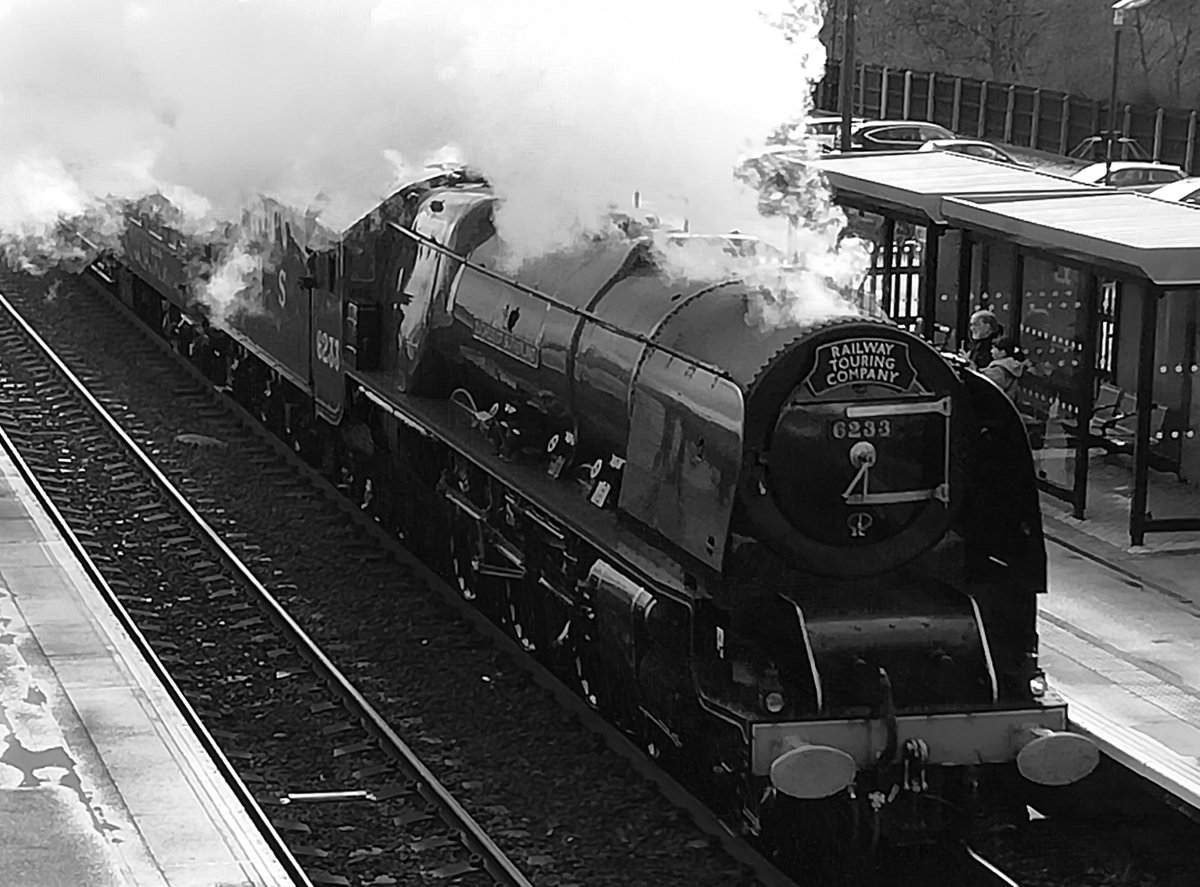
(1175, 773)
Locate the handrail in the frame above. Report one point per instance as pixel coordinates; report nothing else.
(590, 316)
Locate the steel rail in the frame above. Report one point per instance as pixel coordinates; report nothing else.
(262, 822)
(497, 864)
(987, 874)
(616, 741)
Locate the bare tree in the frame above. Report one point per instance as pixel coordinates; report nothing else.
(1055, 44)
(1166, 35)
(996, 39)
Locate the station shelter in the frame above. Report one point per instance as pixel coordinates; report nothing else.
(1099, 286)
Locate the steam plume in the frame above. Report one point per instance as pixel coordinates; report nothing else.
(568, 107)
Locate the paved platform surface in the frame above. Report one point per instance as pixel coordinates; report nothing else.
(1168, 571)
(1124, 650)
(102, 782)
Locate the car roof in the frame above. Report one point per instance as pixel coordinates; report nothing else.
(1125, 145)
(1116, 139)
(867, 123)
(1095, 171)
(1177, 190)
(933, 144)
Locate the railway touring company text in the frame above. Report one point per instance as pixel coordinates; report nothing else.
(877, 361)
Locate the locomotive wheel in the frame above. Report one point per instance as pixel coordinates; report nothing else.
(293, 427)
(426, 527)
(589, 675)
(557, 652)
(360, 484)
(274, 413)
(308, 444)
(466, 554)
(685, 760)
(596, 684)
(522, 615)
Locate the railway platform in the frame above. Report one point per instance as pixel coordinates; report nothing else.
(1120, 634)
(102, 780)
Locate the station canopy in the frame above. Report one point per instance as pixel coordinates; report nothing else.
(1125, 231)
(913, 183)
(1138, 234)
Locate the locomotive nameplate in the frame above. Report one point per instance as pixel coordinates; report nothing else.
(883, 362)
(502, 340)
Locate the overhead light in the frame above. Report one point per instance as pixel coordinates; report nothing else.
(1123, 6)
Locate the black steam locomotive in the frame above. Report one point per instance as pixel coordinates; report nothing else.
(800, 563)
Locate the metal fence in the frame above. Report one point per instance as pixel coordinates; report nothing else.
(1024, 116)
(893, 283)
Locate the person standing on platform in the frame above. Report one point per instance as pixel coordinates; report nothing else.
(985, 329)
(1007, 365)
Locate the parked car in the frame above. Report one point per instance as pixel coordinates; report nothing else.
(1183, 191)
(1096, 148)
(895, 135)
(1133, 175)
(823, 128)
(826, 129)
(973, 147)
(831, 125)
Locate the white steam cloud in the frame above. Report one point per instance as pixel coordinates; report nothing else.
(231, 282)
(568, 107)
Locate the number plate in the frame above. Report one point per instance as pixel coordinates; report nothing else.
(862, 429)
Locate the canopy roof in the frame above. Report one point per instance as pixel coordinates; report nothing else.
(1123, 230)
(914, 182)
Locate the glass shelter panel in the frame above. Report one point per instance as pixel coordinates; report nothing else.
(996, 265)
(1057, 382)
(973, 273)
(1173, 475)
(946, 302)
(1108, 326)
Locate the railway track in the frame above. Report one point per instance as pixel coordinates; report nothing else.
(193, 546)
(1114, 829)
(256, 815)
(958, 864)
(321, 760)
(401, 794)
(982, 872)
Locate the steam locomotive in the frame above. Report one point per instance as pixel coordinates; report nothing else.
(800, 563)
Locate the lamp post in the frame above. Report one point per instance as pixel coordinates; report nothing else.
(1119, 9)
(847, 76)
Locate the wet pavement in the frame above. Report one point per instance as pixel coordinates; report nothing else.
(63, 822)
(102, 781)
